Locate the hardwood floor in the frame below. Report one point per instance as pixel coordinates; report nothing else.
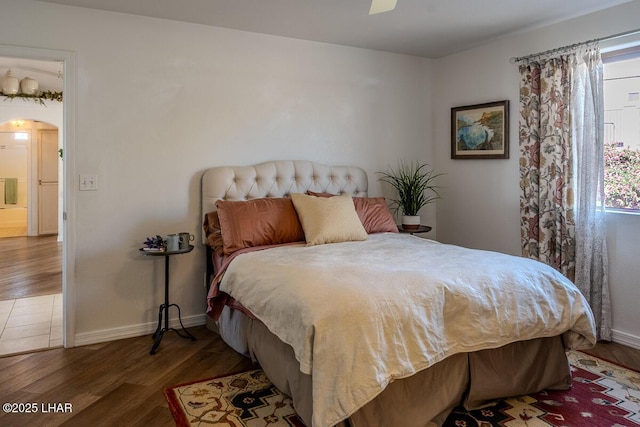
(617, 353)
(30, 266)
(119, 383)
(113, 384)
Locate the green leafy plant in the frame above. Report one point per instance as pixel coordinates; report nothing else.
(415, 185)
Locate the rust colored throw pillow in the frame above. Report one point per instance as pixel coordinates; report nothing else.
(211, 228)
(374, 215)
(372, 211)
(258, 222)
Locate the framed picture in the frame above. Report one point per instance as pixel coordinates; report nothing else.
(480, 131)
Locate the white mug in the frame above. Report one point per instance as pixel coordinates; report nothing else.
(185, 239)
(173, 242)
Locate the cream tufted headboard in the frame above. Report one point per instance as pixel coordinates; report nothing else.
(278, 179)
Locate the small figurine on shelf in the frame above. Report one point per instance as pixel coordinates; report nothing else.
(155, 244)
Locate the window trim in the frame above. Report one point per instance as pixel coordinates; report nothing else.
(633, 212)
(623, 54)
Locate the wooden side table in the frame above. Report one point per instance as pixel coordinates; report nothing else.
(420, 229)
(164, 308)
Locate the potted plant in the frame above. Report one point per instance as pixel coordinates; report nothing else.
(414, 183)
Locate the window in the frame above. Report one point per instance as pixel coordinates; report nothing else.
(622, 129)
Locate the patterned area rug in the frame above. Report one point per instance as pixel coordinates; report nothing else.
(603, 394)
(245, 399)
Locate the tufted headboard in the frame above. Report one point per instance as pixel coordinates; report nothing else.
(278, 179)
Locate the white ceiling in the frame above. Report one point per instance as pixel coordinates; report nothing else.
(427, 28)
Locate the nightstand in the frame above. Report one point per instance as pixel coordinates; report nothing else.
(164, 308)
(420, 229)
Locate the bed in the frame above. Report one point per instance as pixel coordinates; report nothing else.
(365, 326)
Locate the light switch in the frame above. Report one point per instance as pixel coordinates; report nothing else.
(88, 182)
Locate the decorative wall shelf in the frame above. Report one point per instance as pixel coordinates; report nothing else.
(45, 95)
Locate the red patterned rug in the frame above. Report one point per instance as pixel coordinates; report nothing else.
(603, 395)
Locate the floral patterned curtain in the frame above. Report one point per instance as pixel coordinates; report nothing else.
(546, 167)
(562, 170)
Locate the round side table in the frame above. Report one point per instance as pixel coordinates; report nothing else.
(164, 308)
(412, 231)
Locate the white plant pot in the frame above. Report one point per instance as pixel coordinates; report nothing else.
(411, 222)
(10, 84)
(28, 86)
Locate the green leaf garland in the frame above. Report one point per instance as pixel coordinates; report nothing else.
(45, 95)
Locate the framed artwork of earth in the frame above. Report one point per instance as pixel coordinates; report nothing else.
(480, 131)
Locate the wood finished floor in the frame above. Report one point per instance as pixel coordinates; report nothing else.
(113, 384)
(119, 383)
(30, 266)
(617, 353)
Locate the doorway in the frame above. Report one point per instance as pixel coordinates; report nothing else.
(32, 238)
(15, 148)
(30, 169)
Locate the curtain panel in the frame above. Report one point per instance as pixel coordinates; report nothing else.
(546, 166)
(562, 172)
(587, 119)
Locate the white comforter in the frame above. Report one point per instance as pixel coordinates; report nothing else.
(361, 314)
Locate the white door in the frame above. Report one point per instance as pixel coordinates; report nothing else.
(47, 182)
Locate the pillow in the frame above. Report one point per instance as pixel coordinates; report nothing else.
(258, 222)
(374, 215)
(328, 220)
(212, 230)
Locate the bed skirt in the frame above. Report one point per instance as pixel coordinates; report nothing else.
(472, 379)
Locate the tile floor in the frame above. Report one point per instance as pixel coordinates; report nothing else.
(30, 323)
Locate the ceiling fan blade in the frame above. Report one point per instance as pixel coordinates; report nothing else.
(379, 6)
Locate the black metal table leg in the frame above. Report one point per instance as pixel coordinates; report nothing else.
(159, 328)
(157, 337)
(164, 312)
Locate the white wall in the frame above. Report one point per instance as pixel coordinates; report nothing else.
(158, 102)
(13, 164)
(480, 199)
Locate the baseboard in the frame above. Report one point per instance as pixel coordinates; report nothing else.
(131, 331)
(625, 339)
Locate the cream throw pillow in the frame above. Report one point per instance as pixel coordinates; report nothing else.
(328, 219)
